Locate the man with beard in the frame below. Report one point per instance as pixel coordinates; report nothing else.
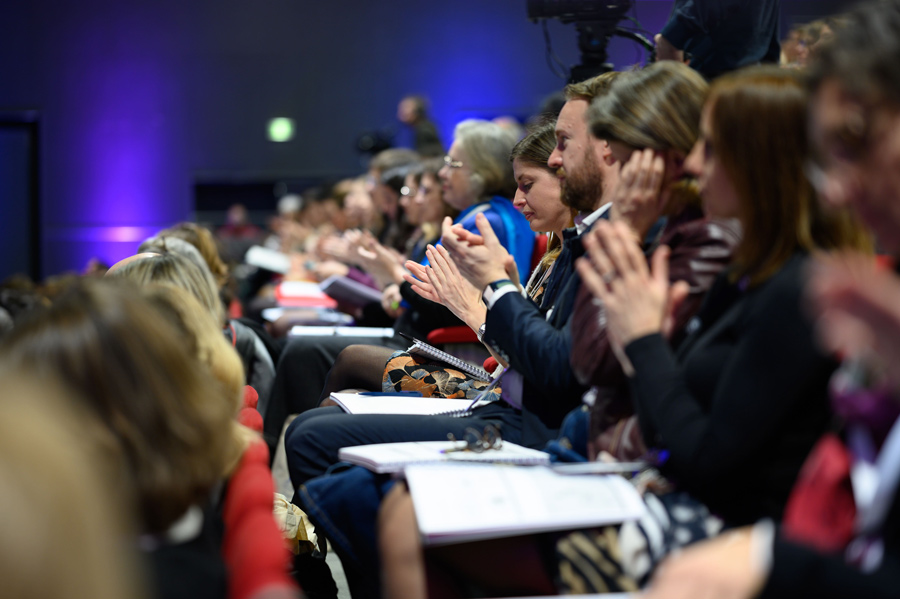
(537, 340)
(584, 164)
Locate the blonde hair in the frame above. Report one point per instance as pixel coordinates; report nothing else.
(131, 369)
(202, 239)
(205, 341)
(179, 271)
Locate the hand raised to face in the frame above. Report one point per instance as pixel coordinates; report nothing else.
(638, 199)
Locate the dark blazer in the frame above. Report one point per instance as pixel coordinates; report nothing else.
(538, 348)
(745, 401)
(701, 249)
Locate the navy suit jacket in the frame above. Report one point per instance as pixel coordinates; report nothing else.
(538, 347)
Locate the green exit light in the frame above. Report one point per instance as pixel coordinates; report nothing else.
(281, 129)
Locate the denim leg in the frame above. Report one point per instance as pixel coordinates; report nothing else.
(344, 504)
(344, 507)
(314, 438)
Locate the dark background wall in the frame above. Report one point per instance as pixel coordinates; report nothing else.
(139, 99)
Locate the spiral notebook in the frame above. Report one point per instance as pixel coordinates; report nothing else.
(420, 348)
(356, 403)
(394, 457)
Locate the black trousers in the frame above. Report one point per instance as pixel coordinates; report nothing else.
(301, 373)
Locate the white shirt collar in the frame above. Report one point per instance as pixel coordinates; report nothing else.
(583, 222)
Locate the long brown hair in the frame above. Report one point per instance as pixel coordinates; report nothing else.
(117, 351)
(758, 121)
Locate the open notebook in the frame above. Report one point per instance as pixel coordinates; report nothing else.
(356, 403)
(393, 457)
(456, 503)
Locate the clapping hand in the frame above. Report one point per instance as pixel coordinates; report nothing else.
(480, 259)
(390, 301)
(383, 263)
(857, 309)
(639, 300)
(721, 568)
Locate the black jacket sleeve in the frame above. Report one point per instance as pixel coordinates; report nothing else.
(772, 371)
(534, 347)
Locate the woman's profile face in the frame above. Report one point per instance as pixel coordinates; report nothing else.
(429, 199)
(538, 198)
(720, 198)
(456, 177)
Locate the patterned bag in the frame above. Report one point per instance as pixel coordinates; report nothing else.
(406, 372)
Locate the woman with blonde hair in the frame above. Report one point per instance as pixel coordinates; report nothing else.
(177, 270)
(247, 499)
(171, 419)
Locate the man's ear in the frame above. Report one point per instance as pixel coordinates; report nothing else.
(605, 152)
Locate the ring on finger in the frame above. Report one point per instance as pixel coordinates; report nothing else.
(610, 277)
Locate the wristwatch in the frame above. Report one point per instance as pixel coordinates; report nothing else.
(480, 332)
(493, 288)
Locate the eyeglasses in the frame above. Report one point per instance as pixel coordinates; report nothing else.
(475, 440)
(448, 161)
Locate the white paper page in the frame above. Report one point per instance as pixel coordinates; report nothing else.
(393, 404)
(324, 331)
(456, 503)
(299, 289)
(393, 457)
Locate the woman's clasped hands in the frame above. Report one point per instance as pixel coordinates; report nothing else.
(639, 299)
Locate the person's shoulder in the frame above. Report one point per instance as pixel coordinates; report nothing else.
(783, 291)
